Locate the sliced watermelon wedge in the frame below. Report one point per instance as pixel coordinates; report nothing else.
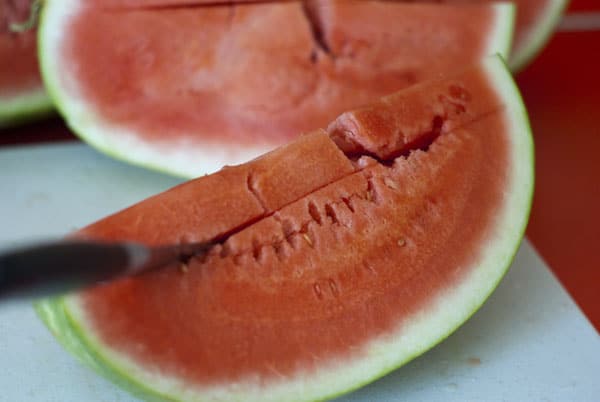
(22, 94)
(410, 213)
(167, 87)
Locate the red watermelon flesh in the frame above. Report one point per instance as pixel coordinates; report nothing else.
(412, 209)
(167, 86)
(535, 19)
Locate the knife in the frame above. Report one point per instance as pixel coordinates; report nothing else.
(56, 267)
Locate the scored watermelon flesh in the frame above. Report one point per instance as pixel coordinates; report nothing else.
(229, 200)
(306, 283)
(268, 302)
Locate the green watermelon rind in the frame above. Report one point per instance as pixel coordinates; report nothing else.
(178, 159)
(538, 38)
(24, 107)
(55, 316)
(68, 323)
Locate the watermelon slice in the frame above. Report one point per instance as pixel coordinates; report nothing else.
(166, 87)
(342, 255)
(22, 95)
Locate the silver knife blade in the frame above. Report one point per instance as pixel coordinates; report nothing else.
(56, 267)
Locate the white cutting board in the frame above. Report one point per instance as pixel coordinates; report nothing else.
(528, 343)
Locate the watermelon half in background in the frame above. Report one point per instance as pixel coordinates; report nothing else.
(341, 255)
(536, 21)
(189, 89)
(22, 94)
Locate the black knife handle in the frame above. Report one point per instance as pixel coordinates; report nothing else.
(58, 267)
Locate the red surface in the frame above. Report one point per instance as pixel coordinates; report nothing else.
(584, 5)
(562, 93)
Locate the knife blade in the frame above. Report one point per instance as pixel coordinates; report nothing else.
(55, 267)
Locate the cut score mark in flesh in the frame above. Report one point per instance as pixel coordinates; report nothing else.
(364, 145)
(383, 144)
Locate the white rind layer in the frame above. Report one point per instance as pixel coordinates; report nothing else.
(447, 311)
(25, 106)
(535, 40)
(182, 158)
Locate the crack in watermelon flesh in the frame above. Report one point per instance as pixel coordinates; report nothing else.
(533, 16)
(309, 284)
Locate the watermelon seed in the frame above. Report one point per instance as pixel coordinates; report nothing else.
(308, 239)
(183, 267)
(371, 192)
(333, 286)
(401, 242)
(390, 183)
(317, 290)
